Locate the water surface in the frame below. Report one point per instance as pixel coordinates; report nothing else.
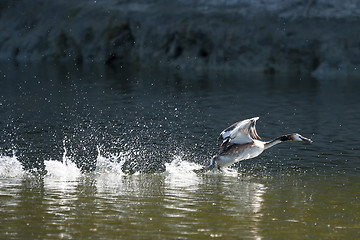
(95, 153)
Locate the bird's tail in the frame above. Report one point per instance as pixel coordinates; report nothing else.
(209, 167)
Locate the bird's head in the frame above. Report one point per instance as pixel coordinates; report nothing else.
(298, 137)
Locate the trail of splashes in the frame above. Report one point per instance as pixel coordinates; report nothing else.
(10, 167)
(67, 170)
(108, 168)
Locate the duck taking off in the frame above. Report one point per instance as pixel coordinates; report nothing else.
(241, 142)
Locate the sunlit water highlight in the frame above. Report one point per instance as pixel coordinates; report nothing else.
(175, 203)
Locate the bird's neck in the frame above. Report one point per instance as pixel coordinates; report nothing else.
(278, 140)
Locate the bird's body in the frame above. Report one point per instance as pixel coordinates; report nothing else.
(241, 142)
(237, 152)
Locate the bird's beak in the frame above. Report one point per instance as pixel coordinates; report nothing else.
(305, 139)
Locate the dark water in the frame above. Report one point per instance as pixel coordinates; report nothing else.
(97, 153)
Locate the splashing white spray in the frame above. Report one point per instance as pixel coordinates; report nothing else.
(10, 167)
(66, 170)
(111, 164)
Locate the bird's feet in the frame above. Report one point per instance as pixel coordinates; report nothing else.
(207, 168)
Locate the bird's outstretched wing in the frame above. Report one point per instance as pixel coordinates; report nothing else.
(241, 132)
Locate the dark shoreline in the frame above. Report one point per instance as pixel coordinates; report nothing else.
(297, 38)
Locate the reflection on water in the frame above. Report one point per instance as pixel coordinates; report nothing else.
(116, 153)
(176, 204)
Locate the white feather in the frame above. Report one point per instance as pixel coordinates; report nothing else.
(239, 133)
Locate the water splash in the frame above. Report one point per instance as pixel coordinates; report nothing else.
(10, 167)
(181, 169)
(111, 164)
(62, 171)
(178, 165)
(65, 170)
(107, 167)
(180, 173)
(64, 157)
